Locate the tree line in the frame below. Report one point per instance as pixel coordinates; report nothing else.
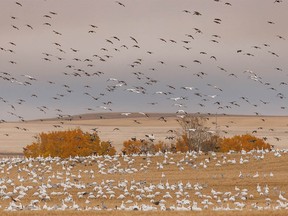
(195, 136)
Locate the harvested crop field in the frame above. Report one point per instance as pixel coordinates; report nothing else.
(235, 182)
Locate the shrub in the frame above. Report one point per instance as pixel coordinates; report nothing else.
(68, 143)
(182, 144)
(161, 147)
(194, 133)
(210, 144)
(132, 147)
(142, 146)
(245, 142)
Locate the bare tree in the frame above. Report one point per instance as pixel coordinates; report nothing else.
(195, 130)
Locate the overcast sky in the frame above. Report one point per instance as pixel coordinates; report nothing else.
(58, 57)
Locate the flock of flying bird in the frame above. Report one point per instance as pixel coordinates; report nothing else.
(88, 77)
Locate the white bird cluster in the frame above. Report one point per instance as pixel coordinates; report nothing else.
(90, 183)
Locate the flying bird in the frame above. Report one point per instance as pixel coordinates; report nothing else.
(197, 13)
(132, 38)
(29, 26)
(18, 3)
(120, 3)
(186, 11)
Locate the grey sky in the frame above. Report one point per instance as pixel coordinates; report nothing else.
(243, 26)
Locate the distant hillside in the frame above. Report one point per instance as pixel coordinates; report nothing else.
(111, 115)
(121, 115)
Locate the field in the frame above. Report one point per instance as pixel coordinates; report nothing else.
(16, 135)
(244, 183)
(234, 182)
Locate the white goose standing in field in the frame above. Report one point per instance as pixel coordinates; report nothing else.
(281, 197)
(195, 207)
(256, 175)
(241, 175)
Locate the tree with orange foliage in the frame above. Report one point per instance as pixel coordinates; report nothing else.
(68, 143)
(245, 142)
(132, 147)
